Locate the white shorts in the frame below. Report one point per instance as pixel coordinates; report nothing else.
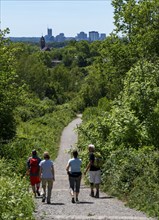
(95, 177)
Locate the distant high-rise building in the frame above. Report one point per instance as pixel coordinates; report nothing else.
(49, 37)
(60, 37)
(102, 36)
(93, 35)
(81, 36)
(49, 32)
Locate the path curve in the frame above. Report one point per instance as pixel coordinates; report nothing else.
(61, 208)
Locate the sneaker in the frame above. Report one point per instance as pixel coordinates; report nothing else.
(43, 199)
(92, 193)
(73, 200)
(38, 193)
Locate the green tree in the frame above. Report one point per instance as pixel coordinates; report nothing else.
(138, 20)
(141, 92)
(9, 90)
(33, 72)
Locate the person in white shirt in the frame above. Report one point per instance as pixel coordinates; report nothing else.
(73, 169)
(47, 174)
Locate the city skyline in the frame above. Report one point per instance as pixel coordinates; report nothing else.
(31, 18)
(91, 36)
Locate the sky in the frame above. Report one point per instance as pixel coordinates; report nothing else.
(31, 18)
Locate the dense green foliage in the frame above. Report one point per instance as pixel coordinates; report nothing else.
(114, 83)
(8, 90)
(15, 201)
(29, 120)
(124, 124)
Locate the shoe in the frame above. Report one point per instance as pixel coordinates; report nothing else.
(48, 202)
(97, 194)
(77, 201)
(92, 193)
(38, 193)
(73, 200)
(43, 199)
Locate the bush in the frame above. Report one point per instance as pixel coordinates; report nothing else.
(15, 201)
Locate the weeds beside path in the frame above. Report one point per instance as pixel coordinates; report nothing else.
(61, 208)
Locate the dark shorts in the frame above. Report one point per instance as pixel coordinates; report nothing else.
(75, 182)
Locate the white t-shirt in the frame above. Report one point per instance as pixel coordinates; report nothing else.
(46, 166)
(75, 165)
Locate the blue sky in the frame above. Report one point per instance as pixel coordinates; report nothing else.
(31, 18)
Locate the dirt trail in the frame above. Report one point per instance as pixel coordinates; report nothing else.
(61, 208)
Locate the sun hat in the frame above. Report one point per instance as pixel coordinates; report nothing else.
(91, 146)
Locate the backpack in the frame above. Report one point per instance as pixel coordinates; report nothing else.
(34, 165)
(98, 160)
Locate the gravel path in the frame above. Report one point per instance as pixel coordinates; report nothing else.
(61, 208)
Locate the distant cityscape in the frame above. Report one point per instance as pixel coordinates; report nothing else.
(92, 36)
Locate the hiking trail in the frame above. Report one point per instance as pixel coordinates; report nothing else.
(61, 208)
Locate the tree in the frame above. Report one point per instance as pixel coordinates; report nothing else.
(140, 95)
(9, 90)
(138, 20)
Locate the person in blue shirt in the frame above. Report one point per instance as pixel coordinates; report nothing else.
(73, 169)
(47, 173)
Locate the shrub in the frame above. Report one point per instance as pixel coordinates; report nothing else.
(15, 201)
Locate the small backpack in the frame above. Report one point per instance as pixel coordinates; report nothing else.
(34, 165)
(98, 160)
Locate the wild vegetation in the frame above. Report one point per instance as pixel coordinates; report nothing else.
(124, 123)
(114, 83)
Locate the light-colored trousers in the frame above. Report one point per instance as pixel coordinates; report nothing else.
(49, 184)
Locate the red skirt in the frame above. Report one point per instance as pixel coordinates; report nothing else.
(34, 180)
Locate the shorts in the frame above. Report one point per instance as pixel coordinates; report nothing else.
(34, 180)
(75, 183)
(95, 177)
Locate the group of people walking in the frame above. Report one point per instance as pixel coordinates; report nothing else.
(43, 171)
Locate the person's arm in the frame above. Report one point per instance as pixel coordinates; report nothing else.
(40, 171)
(91, 159)
(88, 167)
(53, 172)
(67, 167)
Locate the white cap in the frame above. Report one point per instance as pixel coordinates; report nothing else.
(91, 146)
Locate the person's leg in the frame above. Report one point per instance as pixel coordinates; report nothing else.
(78, 182)
(44, 189)
(92, 189)
(37, 185)
(97, 190)
(97, 182)
(33, 182)
(37, 188)
(33, 189)
(49, 189)
(72, 185)
(91, 180)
